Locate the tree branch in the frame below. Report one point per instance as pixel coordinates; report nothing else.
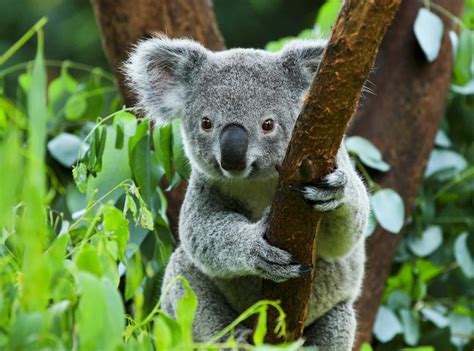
(331, 101)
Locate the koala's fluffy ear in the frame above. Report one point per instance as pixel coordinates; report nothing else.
(157, 71)
(303, 56)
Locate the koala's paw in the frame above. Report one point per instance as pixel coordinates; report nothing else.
(272, 263)
(326, 195)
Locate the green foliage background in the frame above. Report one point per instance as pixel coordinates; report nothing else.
(82, 253)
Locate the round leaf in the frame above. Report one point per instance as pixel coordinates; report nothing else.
(429, 32)
(444, 159)
(389, 210)
(386, 325)
(75, 107)
(367, 153)
(411, 327)
(65, 148)
(427, 243)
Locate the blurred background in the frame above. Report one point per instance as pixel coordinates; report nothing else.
(72, 31)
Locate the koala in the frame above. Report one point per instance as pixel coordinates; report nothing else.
(238, 108)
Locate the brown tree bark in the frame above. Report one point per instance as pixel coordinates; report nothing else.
(401, 119)
(124, 22)
(330, 103)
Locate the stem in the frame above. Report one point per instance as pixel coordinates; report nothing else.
(22, 41)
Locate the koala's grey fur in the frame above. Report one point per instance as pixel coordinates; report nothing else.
(223, 252)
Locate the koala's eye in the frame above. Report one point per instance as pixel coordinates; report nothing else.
(206, 123)
(268, 125)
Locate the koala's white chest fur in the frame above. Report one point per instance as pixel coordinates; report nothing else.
(255, 195)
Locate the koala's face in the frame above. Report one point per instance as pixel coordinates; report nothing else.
(238, 107)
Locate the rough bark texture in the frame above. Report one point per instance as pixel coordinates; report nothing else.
(124, 22)
(329, 104)
(401, 119)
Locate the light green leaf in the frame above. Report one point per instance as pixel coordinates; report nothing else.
(261, 328)
(463, 256)
(65, 148)
(444, 159)
(436, 316)
(429, 29)
(411, 327)
(87, 260)
(442, 139)
(327, 16)
(399, 299)
(389, 210)
(75, 107)
(429, 241)
(386, 325)
(367, 153)
(116, 227)
(461, 328)
(464, 58)
(185, 311)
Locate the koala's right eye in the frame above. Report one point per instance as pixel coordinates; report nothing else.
(206, 124)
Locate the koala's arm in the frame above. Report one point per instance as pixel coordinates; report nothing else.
(343, 228)
(222, 242)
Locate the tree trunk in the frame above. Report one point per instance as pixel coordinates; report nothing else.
(331, 101)
(401, 119)
(124, 22)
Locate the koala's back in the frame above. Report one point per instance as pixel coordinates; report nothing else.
(336, 281)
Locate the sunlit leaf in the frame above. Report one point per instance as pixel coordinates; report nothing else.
(389, 210)
(463, 256)
(387, 325)
(429, 29)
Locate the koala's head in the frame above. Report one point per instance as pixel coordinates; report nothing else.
(238, 107)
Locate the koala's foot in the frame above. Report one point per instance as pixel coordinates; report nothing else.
(334, 331)
(326, 195)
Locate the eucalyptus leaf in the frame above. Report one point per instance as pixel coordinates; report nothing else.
(461, 328)
(411, 327)
(444, 159)
(75, 107)
(442, 139)
(463, 256)
(430, 240)
(387, 325)
(367, 153)
(65, 148)
(389, 209)
(463, 72)
(429, 29)
(435, 316)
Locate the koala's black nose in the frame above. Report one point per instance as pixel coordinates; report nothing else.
(234, 141)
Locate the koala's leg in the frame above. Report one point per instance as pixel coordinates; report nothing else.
(334, 331)
(213, 312)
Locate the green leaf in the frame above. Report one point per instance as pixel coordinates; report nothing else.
(461, 328)
(367, 153)
(327, 16)
(116, 227)
(429, 241)
(26, 331)
(185, 311)
(366, 347)
(464, 58)
(387, 325)
(463, 256)
(162, 138)
(411, 327)
(79, 174)
(399, 299)
(87, 260)
(100, 315)
(140, 164)
(75, 107)
(133, 275)
(389, 210)
(444, 159)
(429, 29)
(167, 332)
(65, 148)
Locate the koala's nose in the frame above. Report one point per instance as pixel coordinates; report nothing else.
(234, 141)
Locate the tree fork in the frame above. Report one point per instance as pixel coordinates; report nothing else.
(330, 103)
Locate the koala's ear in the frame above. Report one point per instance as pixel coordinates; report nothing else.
(158, 70)
(303, 56)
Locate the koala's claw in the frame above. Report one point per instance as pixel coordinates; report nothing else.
(326, 195)
(275, 264)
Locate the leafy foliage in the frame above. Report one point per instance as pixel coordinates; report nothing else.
(85, 237)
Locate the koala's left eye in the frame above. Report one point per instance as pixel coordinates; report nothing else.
(206, 123)
(268, 125)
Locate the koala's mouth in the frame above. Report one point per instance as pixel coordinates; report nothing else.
(248, 172)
